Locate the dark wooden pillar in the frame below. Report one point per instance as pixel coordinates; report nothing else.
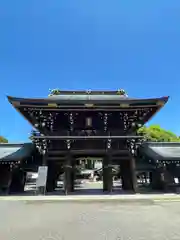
(90, 164)
(128, 175)
(133, 174)
(68, 174)
(49, 184)
(44, 159)
(52, 176)
(157, 181)
(72, 174)
(17, 181)
(5, 178)
(107, 174)
(150, 177)
(105, 166)
(124, 174)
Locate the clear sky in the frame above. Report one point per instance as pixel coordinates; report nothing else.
(89, 44)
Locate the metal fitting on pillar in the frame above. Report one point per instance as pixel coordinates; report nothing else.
(68, 142)
(105, 121)
(108, 143)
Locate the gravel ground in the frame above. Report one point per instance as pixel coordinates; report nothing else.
(110, 220)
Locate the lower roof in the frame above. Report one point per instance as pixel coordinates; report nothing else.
(161, 151)
(15, 152)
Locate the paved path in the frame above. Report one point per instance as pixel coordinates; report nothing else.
(79, 221)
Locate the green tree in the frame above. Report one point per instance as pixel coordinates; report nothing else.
(155, 133)
(3, 140)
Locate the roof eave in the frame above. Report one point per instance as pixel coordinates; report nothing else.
(17, 101)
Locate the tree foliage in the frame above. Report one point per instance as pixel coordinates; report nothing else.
(3, 140)
(155, 133)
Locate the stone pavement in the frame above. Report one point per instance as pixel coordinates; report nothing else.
(99, 220)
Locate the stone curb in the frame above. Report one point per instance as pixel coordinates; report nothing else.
(109, 198)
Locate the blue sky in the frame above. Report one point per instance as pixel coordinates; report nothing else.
(92, 44)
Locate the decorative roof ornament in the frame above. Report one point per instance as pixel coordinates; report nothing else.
(122, 92)
(53, 92)
(88, 91)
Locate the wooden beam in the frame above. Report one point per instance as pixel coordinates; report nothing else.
(85, 137)
(85, 109)
(88, 151)
(50, 158)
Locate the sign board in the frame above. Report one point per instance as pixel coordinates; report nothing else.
(176, 180)
(42, 176)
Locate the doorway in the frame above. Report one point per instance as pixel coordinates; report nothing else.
(88, 175)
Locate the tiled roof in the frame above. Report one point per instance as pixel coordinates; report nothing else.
(15, 152)
(161, 150)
